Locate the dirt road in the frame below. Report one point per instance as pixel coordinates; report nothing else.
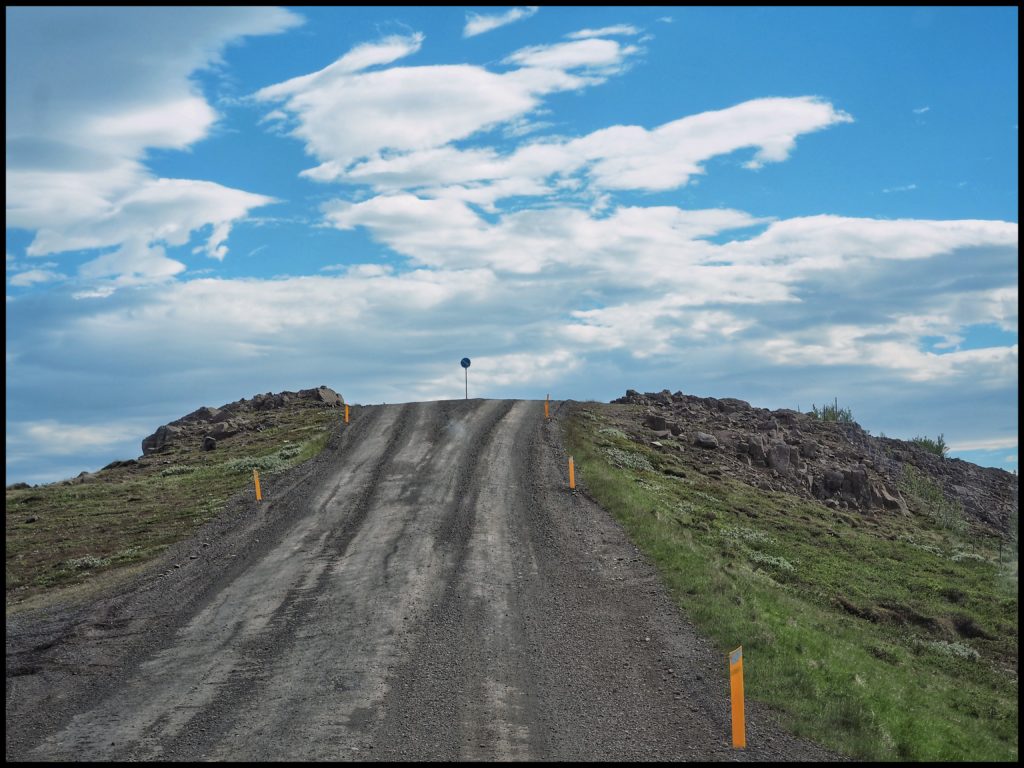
(428, 588)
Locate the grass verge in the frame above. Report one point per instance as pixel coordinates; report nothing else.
(884, 637)
(61, 536)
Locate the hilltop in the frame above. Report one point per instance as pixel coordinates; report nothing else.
(837, 463)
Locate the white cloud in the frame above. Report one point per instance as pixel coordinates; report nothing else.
(343, 115)
(477, 24)
(361, 57)
(606, 56)
(34, 276)
(905, 188)
(61, 438)
(617, 29)
(620, 157)
(994, 443)
(79, 124)
(921, 110)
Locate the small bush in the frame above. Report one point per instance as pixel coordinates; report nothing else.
(771, 561)
(832, 413)
(958, 650)
(750, 535)
(959, 557)
(85, 563)
(937, 446)
(628, 459)
(929, 495)
(181, 469)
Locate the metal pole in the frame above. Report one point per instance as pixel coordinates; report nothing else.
(467, 382)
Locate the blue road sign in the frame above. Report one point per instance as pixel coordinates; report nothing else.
(465, 362)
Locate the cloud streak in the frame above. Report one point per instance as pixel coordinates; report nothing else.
(477, 24)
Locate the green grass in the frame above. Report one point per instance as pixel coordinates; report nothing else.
(881, 636)
(124, 517)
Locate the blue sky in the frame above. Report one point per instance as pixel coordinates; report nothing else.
(778, 204)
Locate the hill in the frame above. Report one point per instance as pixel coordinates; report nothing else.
(872, 585)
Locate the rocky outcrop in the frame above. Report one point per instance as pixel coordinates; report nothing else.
(205, 426)
(839, 464)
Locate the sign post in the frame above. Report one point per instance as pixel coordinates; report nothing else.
(465, 365)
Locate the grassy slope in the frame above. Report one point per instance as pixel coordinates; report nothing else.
(124, 517)
(921, 662)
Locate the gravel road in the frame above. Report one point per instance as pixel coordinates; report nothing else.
(426, 589)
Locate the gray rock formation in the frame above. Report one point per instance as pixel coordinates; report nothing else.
(839, 464)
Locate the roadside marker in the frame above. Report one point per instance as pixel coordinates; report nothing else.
(546, 414)
(346, 413)
(256, 479)
(572, 475)
(739, 733)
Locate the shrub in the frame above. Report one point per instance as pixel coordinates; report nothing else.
(929, 495)
(937, 446)
(628, 459)
(180, 469)
(832, 413)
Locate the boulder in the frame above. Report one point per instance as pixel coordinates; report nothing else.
(324, 395)
(655, 422)
(225, 429)
(116, 464)
(833, 480)
(731, 404)
(209, 443)
(705, 440)
(160, 439)
(778, 457)
(756, 450)
(809, 449)
(881, 497)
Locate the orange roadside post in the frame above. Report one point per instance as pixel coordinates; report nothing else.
(547, 415)
(346, 413)
(256, 480)
(572, 475)
(739, 731)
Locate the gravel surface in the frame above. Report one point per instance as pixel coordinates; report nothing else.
(426, 589)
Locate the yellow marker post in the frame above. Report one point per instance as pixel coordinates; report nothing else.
(546, 414)
(739, 732)
(346, 413)
(572, 475)
(256, 479)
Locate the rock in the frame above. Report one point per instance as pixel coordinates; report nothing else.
(756, 451)
(832, 480)
(731, 404)
(324, 395)
(225, 429)
(116, 464)
(777, 457)
(200, 414)
(163, 437)
(662, 434)
(768, 425)
(705, 440)
(18, 487)
(209, 443)
(809, 449)
(655, 422)
(31, 518)
(881, 497)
